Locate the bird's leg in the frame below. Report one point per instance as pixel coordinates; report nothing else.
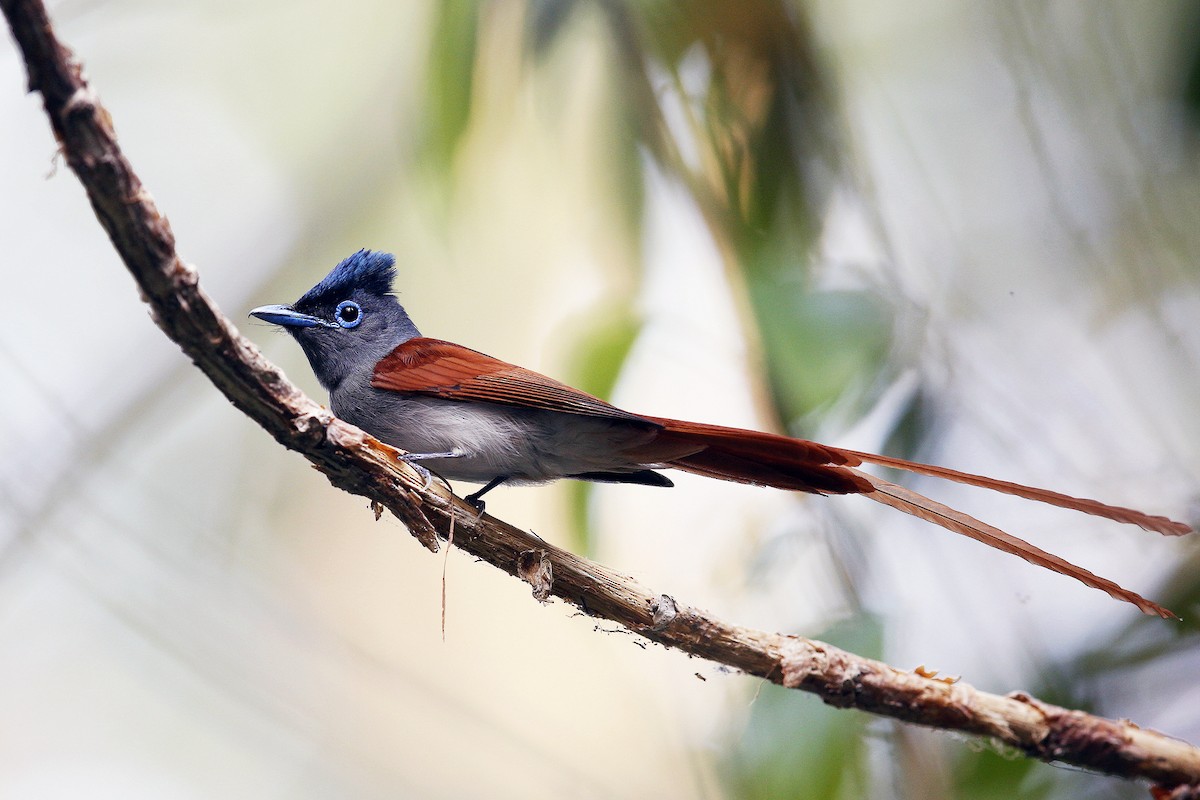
(412, 458)
(476, 498)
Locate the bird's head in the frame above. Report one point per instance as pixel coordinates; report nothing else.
(349, 320)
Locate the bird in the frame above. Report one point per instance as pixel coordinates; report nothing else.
(469, 417)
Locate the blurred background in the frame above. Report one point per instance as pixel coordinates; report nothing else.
(964, 233)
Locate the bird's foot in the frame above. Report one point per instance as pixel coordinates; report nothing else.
(476, 502)
(427, 475)
(475, 499)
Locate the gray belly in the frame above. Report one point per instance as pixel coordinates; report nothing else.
(526, 445)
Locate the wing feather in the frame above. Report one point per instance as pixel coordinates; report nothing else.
(444, 369)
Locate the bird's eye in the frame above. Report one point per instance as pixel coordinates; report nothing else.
(348, 314)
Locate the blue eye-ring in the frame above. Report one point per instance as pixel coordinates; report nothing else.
(349, 314)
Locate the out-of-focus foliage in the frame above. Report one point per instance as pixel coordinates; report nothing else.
(1188, 45)
(988, 775)
(450, 81)
(793, 746)
(732, 100)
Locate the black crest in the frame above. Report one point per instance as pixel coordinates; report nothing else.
(365, 271)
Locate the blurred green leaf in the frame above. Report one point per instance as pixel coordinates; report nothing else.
(913, 427)
(988, 775)
(820, 347)
(1188, 65)
(450, 80)
(794, 746)
(599, 357)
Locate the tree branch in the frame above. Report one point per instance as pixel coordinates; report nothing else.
(357, 463)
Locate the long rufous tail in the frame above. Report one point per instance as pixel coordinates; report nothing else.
(778, 461)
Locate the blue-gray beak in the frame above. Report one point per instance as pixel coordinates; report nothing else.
(288, 317)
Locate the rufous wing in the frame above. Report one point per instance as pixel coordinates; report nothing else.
(443, 369)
